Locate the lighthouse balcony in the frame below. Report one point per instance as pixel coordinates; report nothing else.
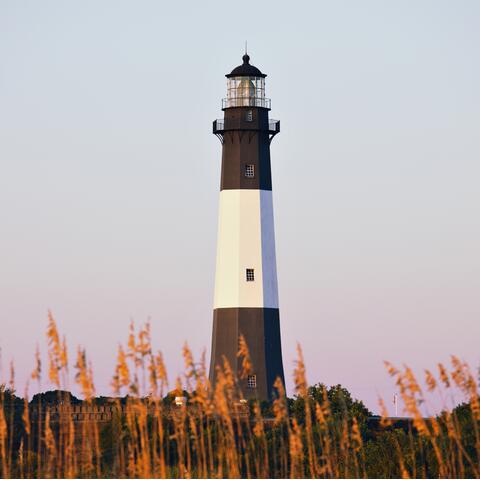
(223, 125)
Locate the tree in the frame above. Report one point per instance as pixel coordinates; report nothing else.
(53, 397)
(339, 399)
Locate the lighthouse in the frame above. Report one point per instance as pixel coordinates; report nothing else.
(246, 291)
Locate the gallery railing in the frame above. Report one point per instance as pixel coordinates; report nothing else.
(224, 125)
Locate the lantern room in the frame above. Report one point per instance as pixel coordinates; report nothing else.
(246, 87)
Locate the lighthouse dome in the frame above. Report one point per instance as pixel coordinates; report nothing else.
(245, 70)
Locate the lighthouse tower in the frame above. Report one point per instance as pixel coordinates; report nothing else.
(246, 293)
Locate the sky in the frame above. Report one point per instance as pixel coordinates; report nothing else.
(109, 178)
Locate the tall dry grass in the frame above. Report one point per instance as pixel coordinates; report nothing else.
(215, 435)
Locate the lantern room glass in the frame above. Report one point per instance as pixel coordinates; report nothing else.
(245, 92)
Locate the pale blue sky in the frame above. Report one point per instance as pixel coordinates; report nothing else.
(109, 176)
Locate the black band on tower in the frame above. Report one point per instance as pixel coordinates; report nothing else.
(261, 329)
(246, 150)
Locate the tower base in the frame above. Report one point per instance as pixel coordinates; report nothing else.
(261, 330)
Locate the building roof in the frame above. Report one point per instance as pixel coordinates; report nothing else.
(245, 70)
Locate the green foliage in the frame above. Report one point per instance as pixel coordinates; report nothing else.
(341, 402)
(52, 397)
(381, 454)
(384, 452)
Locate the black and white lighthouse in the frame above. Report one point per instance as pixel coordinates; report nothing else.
(246, 292)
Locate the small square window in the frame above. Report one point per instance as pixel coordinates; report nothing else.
(249, 116)
(250, 275)
(249, 171)
(252, 381)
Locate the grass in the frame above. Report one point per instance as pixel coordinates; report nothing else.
(215, 436)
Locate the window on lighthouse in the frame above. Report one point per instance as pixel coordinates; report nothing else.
(249, 171)
(250, 275)
(252, 381)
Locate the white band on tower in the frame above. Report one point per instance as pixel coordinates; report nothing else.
(246, 240)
